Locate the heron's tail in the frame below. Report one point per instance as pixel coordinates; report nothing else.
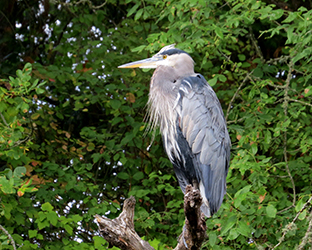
(205, 210)
(205, 206)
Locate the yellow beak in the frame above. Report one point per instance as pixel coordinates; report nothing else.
(149, 63)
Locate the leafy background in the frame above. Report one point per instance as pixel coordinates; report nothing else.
(72, 140)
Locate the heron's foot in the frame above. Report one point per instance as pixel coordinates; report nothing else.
(195, 184)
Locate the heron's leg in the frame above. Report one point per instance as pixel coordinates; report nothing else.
(184, 242)
(195, 184)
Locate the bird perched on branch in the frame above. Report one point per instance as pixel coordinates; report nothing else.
(192, 124)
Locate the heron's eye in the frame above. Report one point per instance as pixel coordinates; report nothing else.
(164, 56)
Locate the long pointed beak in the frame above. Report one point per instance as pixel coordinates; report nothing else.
(149, 63)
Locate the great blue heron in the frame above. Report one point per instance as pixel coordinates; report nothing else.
(191, 122)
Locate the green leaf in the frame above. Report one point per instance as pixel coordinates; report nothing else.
(254, 148)
(138, 176)
(39, 91)
(267, 137)
(139, 48)
(27, 68)
(303, 215)
(233, 234)
(258, 72)
(47, 207)
(212, 81)
(155, 243)
(90, 146)
(3, 106)
(244, 190)
(99, 242)
(68, 229)
(78, 105)
(308, 91)
(53, 218)
(19, 73)
(128, 137)
(19, 172)
(34, 84)
(222, 78)
(123, 160)
(244, 229)
(66, 104)
(6, 186)
(96, 157)
(241, 57)
(123, 176)
(291, 17)
(115, 104)
(138, 14)
(241, 195)
(35, 116)
(276, 14)
(133, 9)
(299, 205)
(271, 211)
(43, 224)
(230, 223)
(212, 239)
(24, 107)
(7, 211)
(76, 218)
(218, 32)
(32, 233)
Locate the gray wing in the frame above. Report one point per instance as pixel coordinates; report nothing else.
(204, 128)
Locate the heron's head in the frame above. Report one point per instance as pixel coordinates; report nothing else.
(168, 56)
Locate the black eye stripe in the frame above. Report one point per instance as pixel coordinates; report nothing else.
(172, 52)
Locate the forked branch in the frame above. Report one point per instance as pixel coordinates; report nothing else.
(120, 231)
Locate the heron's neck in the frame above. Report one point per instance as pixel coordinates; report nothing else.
(165, 76)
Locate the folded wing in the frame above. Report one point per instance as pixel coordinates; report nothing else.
(205, 139)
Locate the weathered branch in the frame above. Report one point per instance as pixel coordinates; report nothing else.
(4, 121)
(304, 103)
(255, 44)
(120, 231)
(9, 236)
(285, 104)
(307, 235)
(291, 224)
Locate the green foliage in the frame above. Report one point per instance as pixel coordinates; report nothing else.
(72, 140)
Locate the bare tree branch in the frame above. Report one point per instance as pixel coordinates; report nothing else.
(4, 121)
(285, 104)
(120, 231)
(236, 93)
(255, 44)
(291, 224)
(9, 236)
(308, 235)
(304, 103)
